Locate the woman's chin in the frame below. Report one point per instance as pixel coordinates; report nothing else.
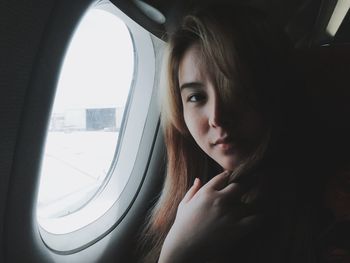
(229, 164)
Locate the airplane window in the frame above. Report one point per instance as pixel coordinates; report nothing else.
(101, 132)
(86, 119)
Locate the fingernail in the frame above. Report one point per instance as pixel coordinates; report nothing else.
(195, 181)
(226, 173)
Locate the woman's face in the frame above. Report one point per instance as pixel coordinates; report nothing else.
(227, 136)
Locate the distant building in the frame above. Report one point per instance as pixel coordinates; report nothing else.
(56, 122)
(119, 114)
(101, 119)
(92, 119)
(75, 120)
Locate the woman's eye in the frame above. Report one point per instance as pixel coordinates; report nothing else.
(195, 98)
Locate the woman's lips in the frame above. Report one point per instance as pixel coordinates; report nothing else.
(225, 146)
(224, 143)
(221, 140)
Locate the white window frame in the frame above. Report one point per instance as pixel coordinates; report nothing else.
(104, 212)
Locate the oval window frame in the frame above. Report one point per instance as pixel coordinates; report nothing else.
(142, 95)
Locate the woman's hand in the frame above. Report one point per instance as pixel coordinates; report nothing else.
(208, 217)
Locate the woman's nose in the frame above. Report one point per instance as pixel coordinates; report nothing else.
(215, 113)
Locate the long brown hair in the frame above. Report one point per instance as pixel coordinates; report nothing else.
(242, 54)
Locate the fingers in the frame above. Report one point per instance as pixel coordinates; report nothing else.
(219, 181)
(232, 191)
(193, 190)
(242, 202)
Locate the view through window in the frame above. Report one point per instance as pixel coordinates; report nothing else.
(89, 105)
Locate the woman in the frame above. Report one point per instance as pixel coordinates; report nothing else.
(227, 129)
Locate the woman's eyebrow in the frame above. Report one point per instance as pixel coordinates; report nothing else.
(191, 85)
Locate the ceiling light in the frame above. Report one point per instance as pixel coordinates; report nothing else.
(337, 17)
(150, 12)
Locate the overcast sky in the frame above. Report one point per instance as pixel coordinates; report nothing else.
(98, 66)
